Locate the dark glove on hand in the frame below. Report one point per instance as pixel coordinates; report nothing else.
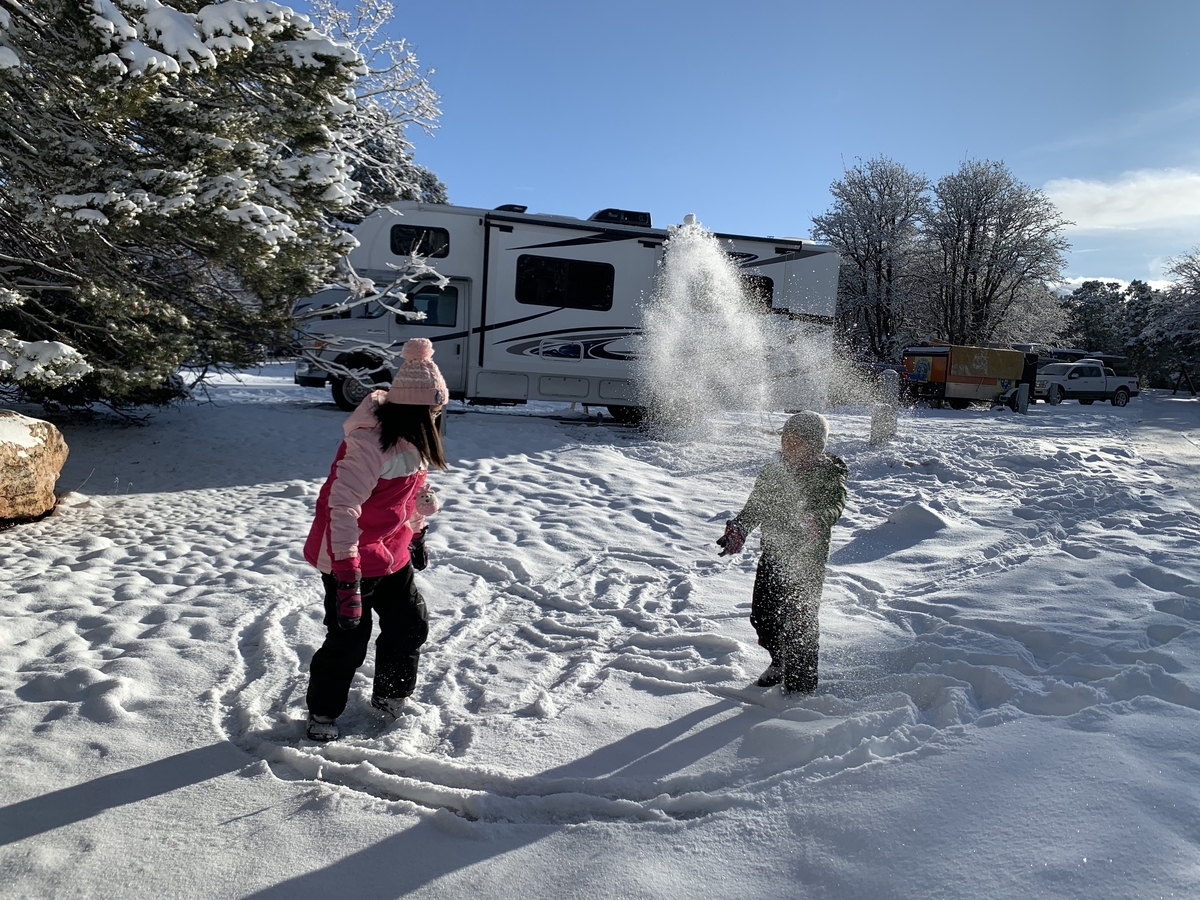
(732, 540)
(417, 552)
(349, 593)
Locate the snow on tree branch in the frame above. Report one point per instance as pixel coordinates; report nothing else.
(393, 95)
(170, 178)
(48, 363)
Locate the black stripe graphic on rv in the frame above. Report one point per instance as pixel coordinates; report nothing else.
(566, 346)
(799, 254)
(490, 327)
(604, 237)
(562, 332)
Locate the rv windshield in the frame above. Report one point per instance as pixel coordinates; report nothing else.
(1056, 369)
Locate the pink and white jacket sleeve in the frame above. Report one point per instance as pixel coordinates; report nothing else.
(357, 475)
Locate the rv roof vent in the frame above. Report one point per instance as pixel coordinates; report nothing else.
(511, 207)
(622, 217)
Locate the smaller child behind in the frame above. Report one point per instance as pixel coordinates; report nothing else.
(795, 501)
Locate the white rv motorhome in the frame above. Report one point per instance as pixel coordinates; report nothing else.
(536, 307)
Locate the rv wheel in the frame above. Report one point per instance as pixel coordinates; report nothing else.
(349, 392)
(627, 415)
(959, 404)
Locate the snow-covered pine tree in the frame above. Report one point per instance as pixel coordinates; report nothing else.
(1171, 336)
(1143, 305)
(1096, 317)
(166, 173)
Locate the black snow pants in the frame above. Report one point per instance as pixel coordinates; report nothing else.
(784, 610)
(403, 628)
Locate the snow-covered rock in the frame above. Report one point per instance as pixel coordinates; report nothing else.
(32, 453)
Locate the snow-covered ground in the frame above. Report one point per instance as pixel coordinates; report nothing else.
(1010, 695)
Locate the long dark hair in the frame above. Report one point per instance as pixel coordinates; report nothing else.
(417, 425)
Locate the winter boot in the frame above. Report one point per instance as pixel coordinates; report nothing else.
(389, 706)
(771, 677)
(805, 684)
(322, 728)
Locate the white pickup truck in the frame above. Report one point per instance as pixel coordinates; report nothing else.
(1086, 380)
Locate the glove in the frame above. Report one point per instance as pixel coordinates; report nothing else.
(732, 540)
(417, 552)
(349, 592)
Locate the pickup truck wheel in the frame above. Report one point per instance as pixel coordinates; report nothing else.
(1086, 402)
(1055, 395)
(1120, 398)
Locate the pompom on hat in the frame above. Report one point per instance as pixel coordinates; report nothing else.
(811, 427)
(419, 381)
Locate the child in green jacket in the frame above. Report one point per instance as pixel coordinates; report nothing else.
(795, 502)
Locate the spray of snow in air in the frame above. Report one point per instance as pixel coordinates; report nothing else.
(702, 347)
(707, 346)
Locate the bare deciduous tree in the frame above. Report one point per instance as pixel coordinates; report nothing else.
(875, 223)
(393, 95)
(991, 244)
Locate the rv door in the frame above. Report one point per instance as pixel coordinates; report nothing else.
(445, 324)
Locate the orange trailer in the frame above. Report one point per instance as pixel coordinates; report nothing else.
(956, 375)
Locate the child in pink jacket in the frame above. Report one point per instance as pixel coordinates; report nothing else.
(368, 536)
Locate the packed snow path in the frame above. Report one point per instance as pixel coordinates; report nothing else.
(590, 657)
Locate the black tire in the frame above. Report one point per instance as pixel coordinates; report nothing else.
(1086, 402)
(1120, 398)
(1054, 396)
(959, 403)
(627, 415)
(345, 394)
(349, 392)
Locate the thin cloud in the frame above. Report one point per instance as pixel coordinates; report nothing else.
(1138, 125)
(1067, 285)
(1149, 198)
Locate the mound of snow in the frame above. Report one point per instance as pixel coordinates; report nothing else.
(918, 516)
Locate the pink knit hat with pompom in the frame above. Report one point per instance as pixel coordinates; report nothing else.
(419, 381)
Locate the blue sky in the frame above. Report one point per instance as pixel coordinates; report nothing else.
(744, 113)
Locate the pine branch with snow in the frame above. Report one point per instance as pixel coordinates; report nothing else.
(1173, 327)
(167, 178)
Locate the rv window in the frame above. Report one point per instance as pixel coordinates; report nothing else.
(760, 290)
(371, 310)
(412, 240)
(572, 283)
(440, 306)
